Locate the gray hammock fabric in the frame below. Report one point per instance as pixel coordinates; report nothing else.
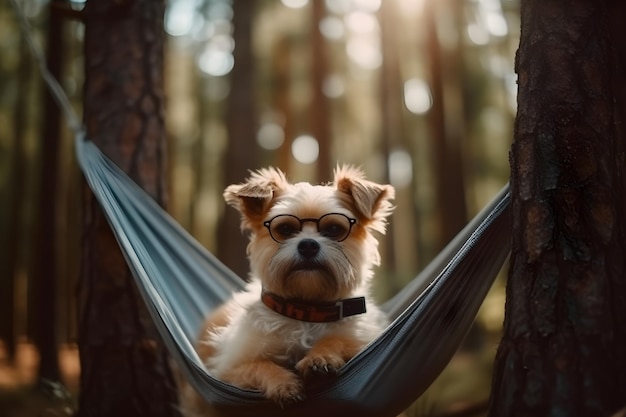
(181, 282)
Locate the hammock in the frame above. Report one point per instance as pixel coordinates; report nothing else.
(181, 282)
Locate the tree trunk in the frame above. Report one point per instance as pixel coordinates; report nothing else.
(392, 132)
(241, 152)
(281, 81)
(15, 210)
(45, 271)
(563, 349)
(446, 139)
(124, 365)
(319, 120)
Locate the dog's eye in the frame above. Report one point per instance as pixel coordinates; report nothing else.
(333, 231)
(285, 228)
(334, 226)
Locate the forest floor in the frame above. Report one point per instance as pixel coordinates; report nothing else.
(21, 395)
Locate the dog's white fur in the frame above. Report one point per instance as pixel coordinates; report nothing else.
(286, 340)
(249, 345)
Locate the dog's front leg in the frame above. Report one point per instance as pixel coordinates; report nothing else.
(328, 355)
(275, 382)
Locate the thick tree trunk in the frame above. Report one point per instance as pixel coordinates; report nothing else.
(563, 351)
(124, 366)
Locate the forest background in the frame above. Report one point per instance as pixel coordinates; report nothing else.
(421, 94)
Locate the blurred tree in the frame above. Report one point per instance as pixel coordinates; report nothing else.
(447, 140)
(241, 121)
(563, 349)
(392, 129)
(319, 120)
(617, 11)
(198, 155)
(281, 80)
(45, 271)
(16, 202)
(124, 365)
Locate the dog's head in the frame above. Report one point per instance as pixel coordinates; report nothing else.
(312, 242)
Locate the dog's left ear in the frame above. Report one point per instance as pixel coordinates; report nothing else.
(253, 198)
(369, 199)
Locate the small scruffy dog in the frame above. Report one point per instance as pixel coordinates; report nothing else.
(306, 310)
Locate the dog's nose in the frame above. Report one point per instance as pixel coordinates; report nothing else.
(308, 248)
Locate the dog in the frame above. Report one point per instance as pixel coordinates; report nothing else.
(307, 309)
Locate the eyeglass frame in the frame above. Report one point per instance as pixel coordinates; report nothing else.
(268, 224)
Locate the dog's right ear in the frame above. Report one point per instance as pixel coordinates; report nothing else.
(253, 198)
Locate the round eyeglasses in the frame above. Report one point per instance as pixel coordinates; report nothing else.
(334, 226)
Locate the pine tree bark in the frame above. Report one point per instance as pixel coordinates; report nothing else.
(563, 349)
(124, 366)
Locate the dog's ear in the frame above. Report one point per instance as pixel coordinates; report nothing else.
(369, 199)
(253, 198)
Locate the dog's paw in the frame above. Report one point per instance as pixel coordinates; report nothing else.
(318, 365)
(287, 393)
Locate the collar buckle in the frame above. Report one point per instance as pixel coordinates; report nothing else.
(339, 305)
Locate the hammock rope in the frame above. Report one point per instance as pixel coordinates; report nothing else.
(180, 282)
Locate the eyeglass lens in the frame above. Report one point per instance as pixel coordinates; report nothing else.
(333, 226)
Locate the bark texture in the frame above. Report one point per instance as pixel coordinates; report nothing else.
(124, 366)
(563, 352)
